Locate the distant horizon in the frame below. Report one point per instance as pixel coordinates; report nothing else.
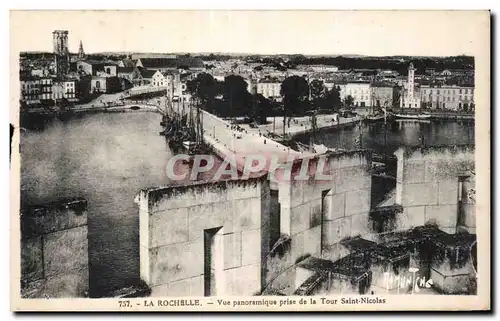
(247, 54)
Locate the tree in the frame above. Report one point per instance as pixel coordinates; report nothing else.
(317, 91)
(349, 102)
(204, 87)
(236, 95)
(332, 99)
(294, 91)
(261, 108)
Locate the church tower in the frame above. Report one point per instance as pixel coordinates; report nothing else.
(61, 52)
(81, 53)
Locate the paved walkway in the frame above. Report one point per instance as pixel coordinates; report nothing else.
(299, 125)
(235, 141)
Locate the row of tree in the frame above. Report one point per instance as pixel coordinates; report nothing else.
(231, 98)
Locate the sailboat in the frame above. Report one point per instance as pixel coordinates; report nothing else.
(313, 147)
(191, 136)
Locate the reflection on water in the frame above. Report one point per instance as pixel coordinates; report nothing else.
(398, 133)
(108, 158)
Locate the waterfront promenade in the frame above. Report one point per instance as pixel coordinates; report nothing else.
(229, 141)
(301, 125)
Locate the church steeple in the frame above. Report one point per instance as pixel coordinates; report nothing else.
(81, 53)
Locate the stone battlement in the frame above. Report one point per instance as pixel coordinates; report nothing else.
(54, 250)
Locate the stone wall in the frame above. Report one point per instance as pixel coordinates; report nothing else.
(316, 214)
(54, 250)
(428, 182)
(175, 224)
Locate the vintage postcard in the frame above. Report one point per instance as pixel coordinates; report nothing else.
(250, 160)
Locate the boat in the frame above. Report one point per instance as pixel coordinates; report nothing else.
(189, 145)
(374, 117)
(415, 116)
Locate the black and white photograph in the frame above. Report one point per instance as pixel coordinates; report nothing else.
(248, 160)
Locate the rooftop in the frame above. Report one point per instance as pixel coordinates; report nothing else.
(161, 63)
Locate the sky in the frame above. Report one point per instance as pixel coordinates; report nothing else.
(435, 33)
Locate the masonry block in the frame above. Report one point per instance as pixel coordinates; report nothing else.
(413, 172)
(296, 193)
(351, 178)
(446, 169)
(454, 281)
(300, 218)
(357, 202)
(65, 250)
(232, 250)
(243, 281)
(65, 217)
(243, 189)
(168, 227)
(391, 270)
(312, 240)
(445, 216)
(184, 196)
(177, 261)
(420, 194)
(411, 217)
(336, 206)
(187, 287)
(250, 247)
(336, 230)
(248, 213)
(53, 217)
(202, 217)
(360, 225)
(448, 192)
(334, 252)
(71, 284)
(297, 247)
(31, 259)
(468, 218)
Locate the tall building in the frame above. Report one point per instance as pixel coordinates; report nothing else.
(411, 98)
(61, 52)
(81, 53)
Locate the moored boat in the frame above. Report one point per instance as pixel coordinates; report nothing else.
(188, 145)
(373, 117)
(413, 116)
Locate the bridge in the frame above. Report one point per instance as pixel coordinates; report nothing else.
(141, 90)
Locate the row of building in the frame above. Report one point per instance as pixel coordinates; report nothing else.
(91, 77)
(77, 79)
(86, 79)
(436, 95)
